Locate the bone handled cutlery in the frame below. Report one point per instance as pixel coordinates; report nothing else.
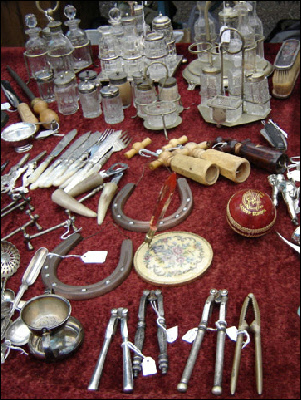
(55, 152)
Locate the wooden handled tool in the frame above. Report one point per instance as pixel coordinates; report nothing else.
(39, 106)
(136, 147)
(25, 113)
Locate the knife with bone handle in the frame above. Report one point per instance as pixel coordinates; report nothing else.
(55, 169)
(55, 152)
(104, 147)
(27, 171)
(87, 151)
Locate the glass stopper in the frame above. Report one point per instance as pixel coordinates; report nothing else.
(30, 20)
(70, 12)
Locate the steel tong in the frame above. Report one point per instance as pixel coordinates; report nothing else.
(216, 297)
(255, 328)
(120, 314)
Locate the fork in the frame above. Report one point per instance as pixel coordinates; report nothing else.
(120, 143)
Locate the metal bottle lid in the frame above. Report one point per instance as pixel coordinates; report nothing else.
(118, 78)
(211, 70)
(86, 87)
(44, 75)
(54, 26)
(168, 82)
(129, 20)
(161, 22)
(256, 77)
(109, 91)
(64, 78)
(88, 74)
(144, 85)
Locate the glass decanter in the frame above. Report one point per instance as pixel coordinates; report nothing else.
(35, 48)
(78, 38)
(60, 50)
(244, 26)
(200, 30)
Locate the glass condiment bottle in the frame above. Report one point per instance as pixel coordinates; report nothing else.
(131, 42)
(112, 105)
(204, 26)
(244, 26)
(120, 80)
(116, 25)
(162, 24)
(89, 99)
(66, 92)
(145, 94)
(256, 94)
(45, 84)
(35, 48)
(91, 76)
(210, 83)
(139, 15)
(78, 38)
(168, 89)
(60, 50)
(137, 78)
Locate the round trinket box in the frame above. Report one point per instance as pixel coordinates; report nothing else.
(173, 258)
(251, 213)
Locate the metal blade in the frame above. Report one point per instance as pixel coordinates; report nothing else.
(10, 93)
(63, 143)
(21, 83)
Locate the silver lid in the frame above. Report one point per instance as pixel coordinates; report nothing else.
(168, 82)
(87, 75)
(44, 75)
(109, 91)
(86, 87)
(64, 78)
(118, 78)
(161, 21)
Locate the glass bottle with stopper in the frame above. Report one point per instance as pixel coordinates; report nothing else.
(78, 38)
(35, 48)
(60, 50)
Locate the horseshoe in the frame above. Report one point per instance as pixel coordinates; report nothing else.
(50, 279)
(142, 226)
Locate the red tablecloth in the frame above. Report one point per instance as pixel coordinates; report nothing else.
(265, 266)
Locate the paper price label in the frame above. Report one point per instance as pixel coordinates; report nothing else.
(190, 335)
(172, 334)
(94, 256)
(149, 366)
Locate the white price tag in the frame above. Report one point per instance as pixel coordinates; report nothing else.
(94, 257)
(149, 366)
(232, 333)
(172, 334)
(190, 335)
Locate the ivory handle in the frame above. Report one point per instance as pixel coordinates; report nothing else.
(107, 195)
(64, 200)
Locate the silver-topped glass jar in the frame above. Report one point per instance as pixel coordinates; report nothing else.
(112, 105)
(66, 92)
(45, 84)
(162, 24)
(89, 99)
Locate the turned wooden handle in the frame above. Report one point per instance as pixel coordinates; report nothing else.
(174, 142)
(136, 147)
(46, 114)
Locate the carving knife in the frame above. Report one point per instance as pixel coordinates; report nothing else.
(39, 106)
(23, 109)
(55, 152)
(55, 169)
